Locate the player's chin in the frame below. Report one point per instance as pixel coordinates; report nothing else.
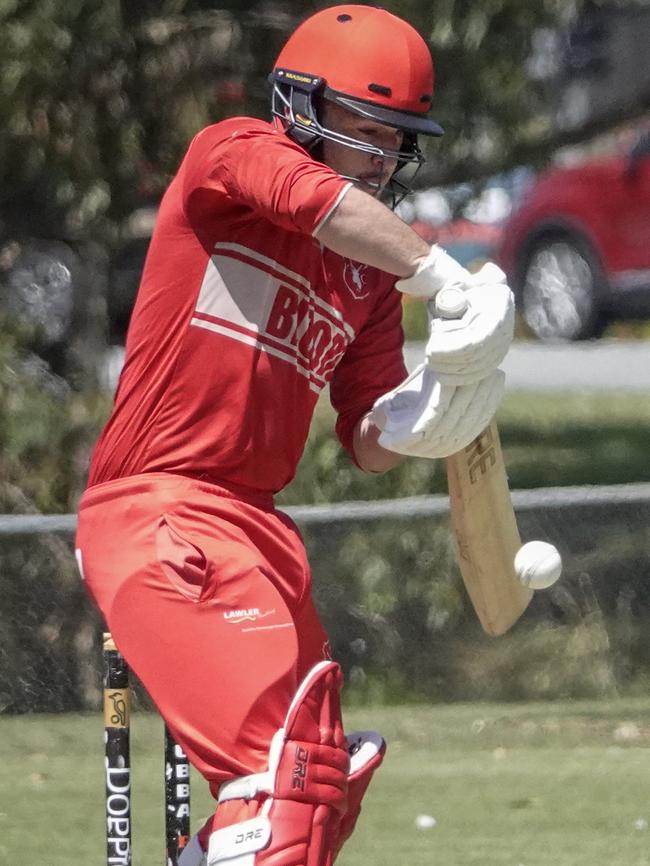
(372, 185)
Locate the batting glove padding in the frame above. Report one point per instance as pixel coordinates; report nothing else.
(465, 350)
(433, 273)
(424, 418)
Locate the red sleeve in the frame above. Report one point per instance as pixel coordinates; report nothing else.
(251, 163)
(372, 365)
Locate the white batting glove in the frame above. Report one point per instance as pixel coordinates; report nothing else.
(438, 269)
(469, 348)
(424, 418)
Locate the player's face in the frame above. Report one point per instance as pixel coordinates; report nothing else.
(372, 171)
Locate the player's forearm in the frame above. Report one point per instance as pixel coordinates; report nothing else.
(370, 455)
(363, 229)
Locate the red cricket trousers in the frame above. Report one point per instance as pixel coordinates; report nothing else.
(207, 595)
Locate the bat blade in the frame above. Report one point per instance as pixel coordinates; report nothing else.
(486, 533)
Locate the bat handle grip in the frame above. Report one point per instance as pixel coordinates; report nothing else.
(450, 302)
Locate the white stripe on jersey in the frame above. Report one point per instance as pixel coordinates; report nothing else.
(271, 266)
(314, 383)
(254, 300)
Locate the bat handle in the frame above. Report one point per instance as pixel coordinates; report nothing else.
(450, 302)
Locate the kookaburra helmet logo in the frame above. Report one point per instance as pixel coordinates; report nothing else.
(366, 60)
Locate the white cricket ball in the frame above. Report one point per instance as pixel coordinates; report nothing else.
(538, 564)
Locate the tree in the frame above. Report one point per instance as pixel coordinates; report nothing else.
(99, 98)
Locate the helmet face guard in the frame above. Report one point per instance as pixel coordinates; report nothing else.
(370, 63)
(294, 105)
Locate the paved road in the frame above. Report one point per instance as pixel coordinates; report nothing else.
(609, 364)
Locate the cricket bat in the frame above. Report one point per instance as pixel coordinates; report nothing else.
(486, 534)
(482, 516)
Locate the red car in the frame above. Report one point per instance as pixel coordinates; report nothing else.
(577, 249)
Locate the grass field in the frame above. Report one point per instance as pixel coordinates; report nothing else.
(549, 439)
(561, 784)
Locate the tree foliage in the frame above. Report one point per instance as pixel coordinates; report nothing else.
(97, 101)
(98, 98)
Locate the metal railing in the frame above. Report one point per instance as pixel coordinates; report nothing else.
(547, 498)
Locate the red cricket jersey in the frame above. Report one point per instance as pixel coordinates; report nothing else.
(242, 318)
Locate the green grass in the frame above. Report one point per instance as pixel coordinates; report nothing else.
(559, 784)
(574, 438)
(549, 439)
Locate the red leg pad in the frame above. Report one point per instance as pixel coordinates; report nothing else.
(295, 809)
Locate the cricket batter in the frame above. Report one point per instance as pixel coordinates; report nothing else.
(276, 269)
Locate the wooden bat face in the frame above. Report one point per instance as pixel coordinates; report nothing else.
(485, 531)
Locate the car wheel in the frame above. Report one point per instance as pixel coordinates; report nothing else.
(561, 291)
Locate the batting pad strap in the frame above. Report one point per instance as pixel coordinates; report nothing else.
(364, 747)
(238, 844)
(246, 787)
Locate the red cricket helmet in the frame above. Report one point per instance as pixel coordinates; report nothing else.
(364, 59)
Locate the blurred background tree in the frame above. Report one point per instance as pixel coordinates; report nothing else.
(98, 101)
(99, 98)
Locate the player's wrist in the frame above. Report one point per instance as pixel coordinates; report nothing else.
(433, 271)
(370, 456)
